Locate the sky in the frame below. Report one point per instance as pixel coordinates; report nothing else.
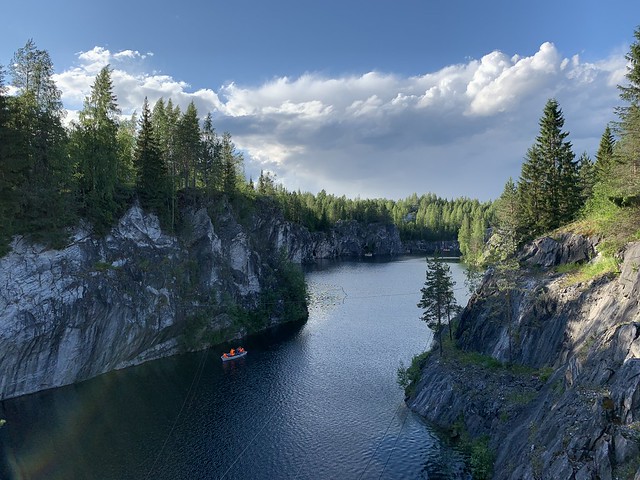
(366, 99)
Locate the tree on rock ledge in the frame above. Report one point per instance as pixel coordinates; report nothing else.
(437, 296)
(152, 181)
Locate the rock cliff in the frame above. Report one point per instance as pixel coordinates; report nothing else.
(570, 406)
(138, 294)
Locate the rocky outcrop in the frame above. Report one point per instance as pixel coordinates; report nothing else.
(346, 239)
(567, 248)
(571, 407)
(134, 295)
(446, 248)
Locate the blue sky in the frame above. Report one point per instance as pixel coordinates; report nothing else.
(370, 98)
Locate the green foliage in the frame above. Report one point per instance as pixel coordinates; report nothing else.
(584, 272)
(471, 237)
(548, 187)
(604, 156)
(408, 377)
(437, 299)
(103, 267)
(152, 181)
(481, 459)
(94, 150)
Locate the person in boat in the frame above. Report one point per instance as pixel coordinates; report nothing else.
(240, 350)
(232, 352)
(225, 355)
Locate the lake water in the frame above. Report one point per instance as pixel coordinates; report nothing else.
(317, 400)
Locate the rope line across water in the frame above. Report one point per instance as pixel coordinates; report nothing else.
(381, 440)
(198, 376)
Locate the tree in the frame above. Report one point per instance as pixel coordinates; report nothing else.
(506, 272)
(507, 210)
(548, 184)
(626, 170)
(604, 156)
(188, 145)
(437, 296)
(586, 177)
(95, 141)
(151, 183)
(126, 138)
(210, 166)
(40, 142)
(231, 165)
(11, 176)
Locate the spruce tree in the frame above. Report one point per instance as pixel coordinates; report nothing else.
(152, 182)
(188, 146)
(10, 175)
(96, 149)
(548, 184)
(126, 137)
(41, 144)
(626, 171)
(586, 176)
(211, 170)
(437, 296)
(231, 166)
(604, 156)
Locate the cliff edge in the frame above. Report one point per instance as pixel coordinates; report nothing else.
(569, 405)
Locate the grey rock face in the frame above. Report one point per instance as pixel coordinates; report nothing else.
(138, 294)
(580, 422)
(568, 248)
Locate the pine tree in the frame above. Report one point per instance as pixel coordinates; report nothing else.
(188, 146)
(210, 167)
(586, 176)
(151, 183)
(95, 141)
(437, 296)
(548, 185)
(626, 171)
(604, 157)
(41, 143)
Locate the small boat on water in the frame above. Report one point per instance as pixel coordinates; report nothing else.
(233, 354)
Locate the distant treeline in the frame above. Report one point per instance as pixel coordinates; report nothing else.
(52, 174)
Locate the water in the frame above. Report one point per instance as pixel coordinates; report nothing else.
(312, 401)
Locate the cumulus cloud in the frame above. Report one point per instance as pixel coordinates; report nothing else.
(131, 80)
(461, 130)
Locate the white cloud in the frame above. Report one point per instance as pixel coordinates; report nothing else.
(461, 130)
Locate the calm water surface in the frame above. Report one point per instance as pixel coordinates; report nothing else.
(312, 401)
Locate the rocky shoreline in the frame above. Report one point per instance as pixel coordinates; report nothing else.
(569, 407)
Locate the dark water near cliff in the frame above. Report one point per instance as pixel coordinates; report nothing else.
(312, 401)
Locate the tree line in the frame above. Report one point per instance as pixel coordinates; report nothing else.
(53, 174)
(424, 217)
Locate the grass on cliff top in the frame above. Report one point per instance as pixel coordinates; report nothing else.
(584, 272)
(614, 225)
